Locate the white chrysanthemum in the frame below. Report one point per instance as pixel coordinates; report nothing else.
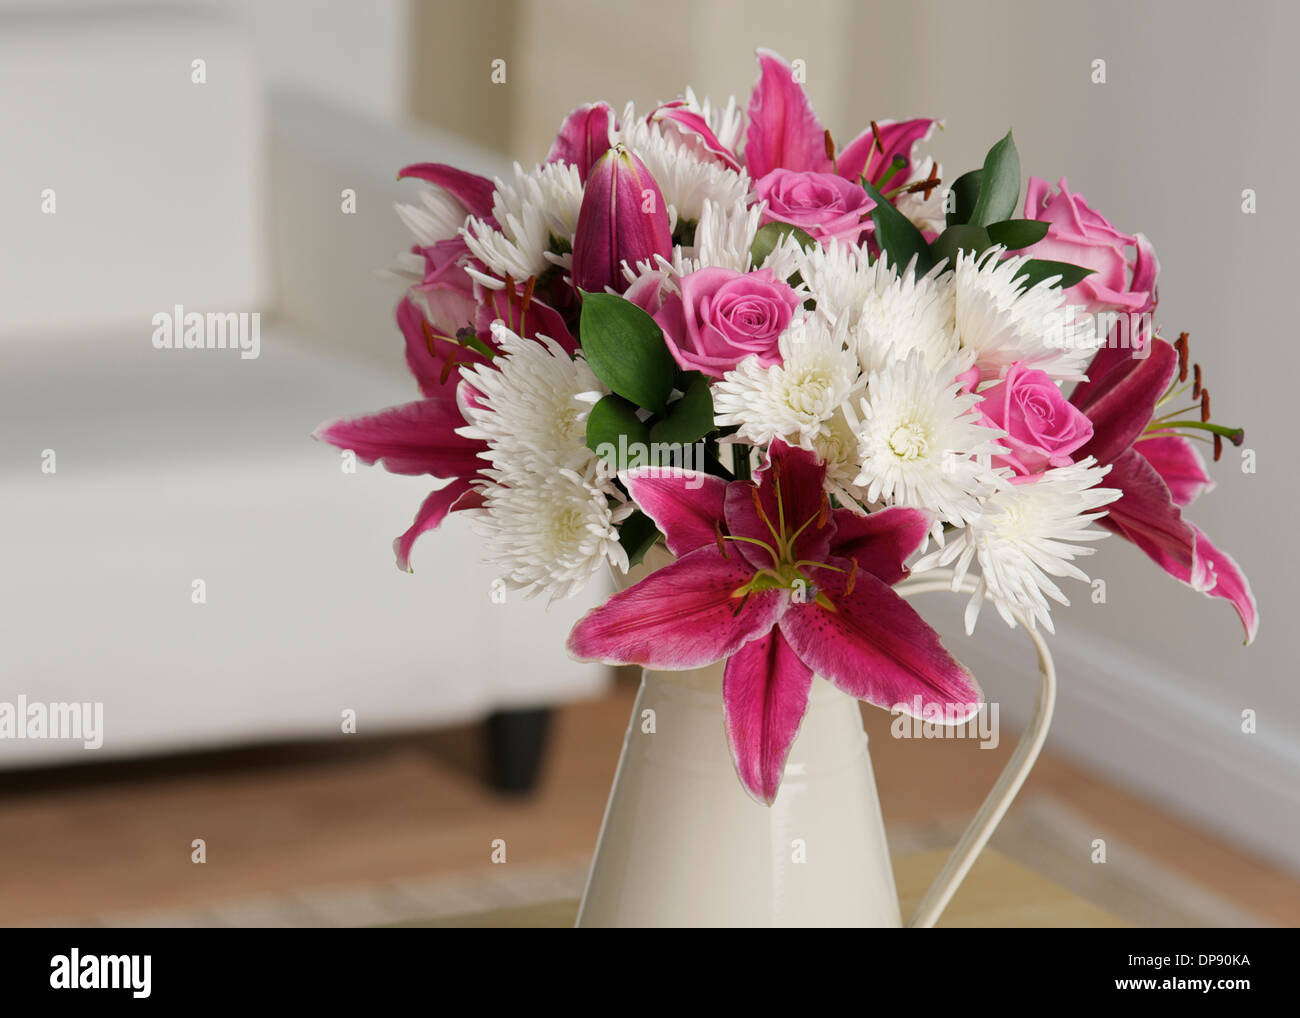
(929, 215)
(532, 407)
(723, 237)
(841, 277)
(1000, 322)
(726, 122)
(907, 315)
(921, 443)
(439, 216)
(536, 218)
(795, 399)
(685, 179)
(551, 532)
(837, 447)
(1028, 534)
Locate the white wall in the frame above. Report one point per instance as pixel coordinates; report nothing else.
(353, 52)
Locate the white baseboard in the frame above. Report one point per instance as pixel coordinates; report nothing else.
(1130, 719)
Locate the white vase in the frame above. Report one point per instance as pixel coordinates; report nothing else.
(682, 844)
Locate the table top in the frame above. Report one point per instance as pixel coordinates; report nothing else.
(997, 893)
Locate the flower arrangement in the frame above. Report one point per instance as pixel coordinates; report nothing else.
(805, 371)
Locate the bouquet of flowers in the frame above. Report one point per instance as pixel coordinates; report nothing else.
(804, 370)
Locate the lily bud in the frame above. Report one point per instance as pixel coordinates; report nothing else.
(623, 219)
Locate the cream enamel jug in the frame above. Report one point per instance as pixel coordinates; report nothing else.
(682, 844)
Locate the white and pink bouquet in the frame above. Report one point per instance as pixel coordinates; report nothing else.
(805, 371)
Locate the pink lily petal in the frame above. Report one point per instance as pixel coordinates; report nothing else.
(696, 128)
(1148, 517)
(764, 696)
(471, 190)
(623, 219)
(1179, 465)
(414, 438)
(800, 476)
(874, 646)
(784, 132)
(427, 353)
(860, 156)
(433, 510)
(685, 505)
(880, 542)
(1124, 404)
(539, 320)
(1222, 577)
(681, 616)
(583, 137)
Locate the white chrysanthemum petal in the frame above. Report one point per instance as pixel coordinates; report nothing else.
(534, 216)
(921, 443)
(439, 216)
(907, 315)
(531, 406)
(723, 237)
(1000, 322)
(795, 399)
(550, 532)
(1029, 533)
(687, 178)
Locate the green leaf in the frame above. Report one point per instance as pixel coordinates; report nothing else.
(966, 192)
(897, 237)
(625, 348)
(637, 535)
(1000, 187)
(770, 234)
(1036, 270)
(614, 419)
(690, 418)
(1013, 234)
(959, 238)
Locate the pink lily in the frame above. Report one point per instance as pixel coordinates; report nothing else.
(623, 219)
(470, 189)
(785, 133)
(420, 437)
(771, 578)
(583, 137)
(692, 126)
(1158, 470)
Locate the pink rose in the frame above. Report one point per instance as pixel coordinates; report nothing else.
(1081, 236)
(823, 205)
(721, 317)
(1042, 428)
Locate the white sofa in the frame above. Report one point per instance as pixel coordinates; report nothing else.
(181, 465)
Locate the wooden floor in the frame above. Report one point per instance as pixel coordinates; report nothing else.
(116, 838)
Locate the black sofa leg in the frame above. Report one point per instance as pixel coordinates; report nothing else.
(516, 743)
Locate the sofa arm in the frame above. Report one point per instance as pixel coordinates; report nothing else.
(325, 258)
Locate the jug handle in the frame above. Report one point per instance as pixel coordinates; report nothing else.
(1013, 775)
